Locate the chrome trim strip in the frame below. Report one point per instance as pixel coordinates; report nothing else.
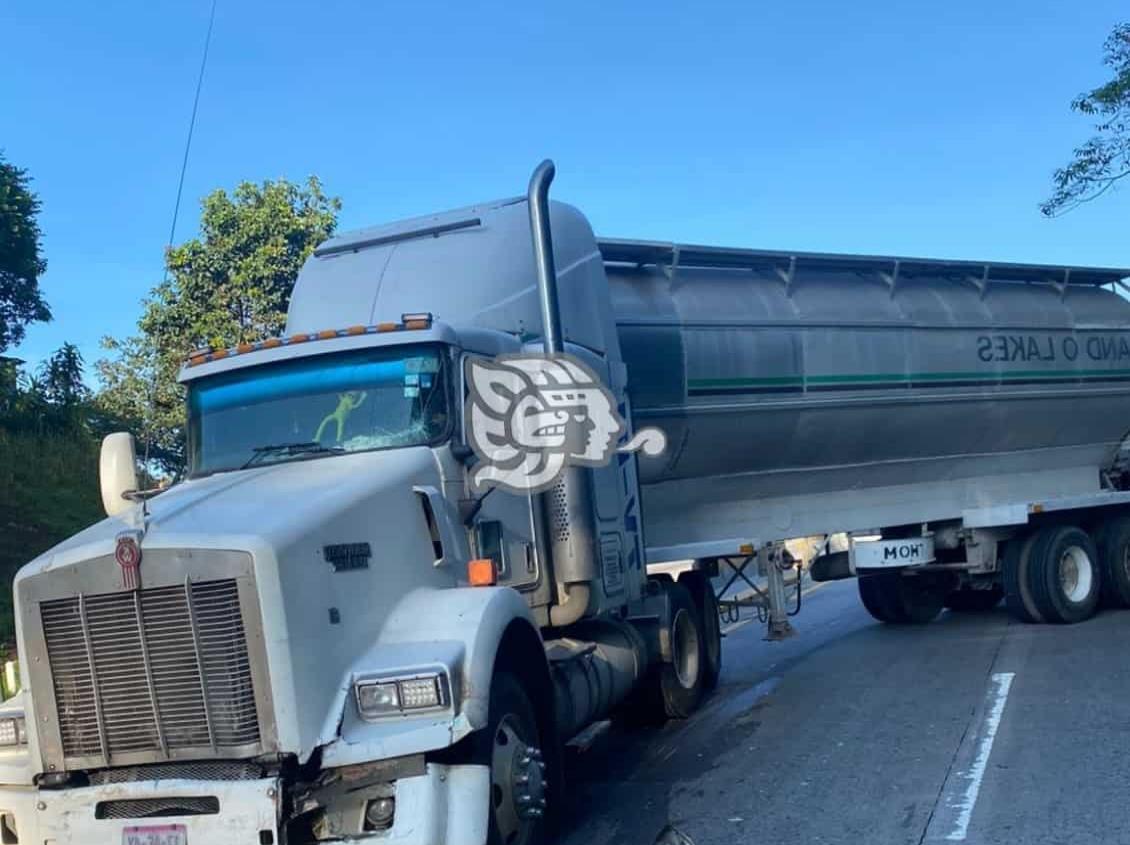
(157, 720)
(199, 660)
(95, 690)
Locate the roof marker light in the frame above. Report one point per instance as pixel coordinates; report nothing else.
(417, 320)
(409, 322)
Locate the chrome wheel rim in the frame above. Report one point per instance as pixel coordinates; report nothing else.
(518, 783)
(1076, 574)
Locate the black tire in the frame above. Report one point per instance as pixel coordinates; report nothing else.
(875, 593)
(702, 591)
(512, 727)
(712, 667)
(666, 692)
(681, 681)
(1064, 574)
(975, 601)
(1113, 541)
(1014, 576)
(899, 599)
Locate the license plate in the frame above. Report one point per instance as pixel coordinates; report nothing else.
(882, 554)
(158, 834)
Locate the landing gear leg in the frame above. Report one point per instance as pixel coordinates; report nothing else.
(774, 562)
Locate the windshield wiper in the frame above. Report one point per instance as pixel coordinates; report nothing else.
(311, 447)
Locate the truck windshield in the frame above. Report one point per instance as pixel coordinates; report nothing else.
(323, 405)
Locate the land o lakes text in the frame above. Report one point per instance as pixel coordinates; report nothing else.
(1021, 347)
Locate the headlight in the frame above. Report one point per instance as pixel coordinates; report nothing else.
(13, 731)
(377, 697)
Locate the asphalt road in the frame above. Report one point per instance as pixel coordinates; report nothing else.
(974, 728)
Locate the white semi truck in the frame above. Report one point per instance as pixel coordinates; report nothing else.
(329, 631)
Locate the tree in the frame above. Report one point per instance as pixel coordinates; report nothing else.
(20, 262)
(230, 285)
(60, 378)
(1102, 161)
(60, 383)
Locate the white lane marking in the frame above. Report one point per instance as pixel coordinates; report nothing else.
(998, 696)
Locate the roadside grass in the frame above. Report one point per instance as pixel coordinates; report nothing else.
(48, 491)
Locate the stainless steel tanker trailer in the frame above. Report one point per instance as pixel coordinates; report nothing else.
(471, 500)
(971, 414)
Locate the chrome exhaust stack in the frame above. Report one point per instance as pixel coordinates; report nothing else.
(567, 509)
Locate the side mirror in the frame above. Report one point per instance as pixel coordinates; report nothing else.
(117, 472)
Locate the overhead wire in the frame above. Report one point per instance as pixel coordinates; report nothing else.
(176, 207)
(192, 124)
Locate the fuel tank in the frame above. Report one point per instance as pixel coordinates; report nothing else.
(778, 376)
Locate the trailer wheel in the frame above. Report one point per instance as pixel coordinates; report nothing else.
(1063, 574)
(519, 784)
(1113, 541)
(899, 599)
(975, 601)
(875, 593)
(1014, 575)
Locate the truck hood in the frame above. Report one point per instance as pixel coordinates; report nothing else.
(320, 613)
(275, 503)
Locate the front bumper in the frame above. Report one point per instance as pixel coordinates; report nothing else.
(447, 805)
(67, 816)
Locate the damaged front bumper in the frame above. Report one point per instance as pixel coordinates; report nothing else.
(446, 805)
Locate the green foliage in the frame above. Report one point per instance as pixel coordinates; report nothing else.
(230, 285)
(49, 440)
(1104, 159)
(48, 491)
(60, 378)
(20, 262)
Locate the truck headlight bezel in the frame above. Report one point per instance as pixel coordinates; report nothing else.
(380, 697)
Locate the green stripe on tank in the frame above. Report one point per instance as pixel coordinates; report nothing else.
(872, 378)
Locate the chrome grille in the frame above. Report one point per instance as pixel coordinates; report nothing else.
(169, 665)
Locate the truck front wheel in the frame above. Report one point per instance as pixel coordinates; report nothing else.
(519, 784)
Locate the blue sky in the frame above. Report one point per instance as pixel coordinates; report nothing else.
(878, 127)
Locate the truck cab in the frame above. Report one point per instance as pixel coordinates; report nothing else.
(326, 631)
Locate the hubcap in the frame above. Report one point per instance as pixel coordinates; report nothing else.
(518, 783)
(684, 649)
(1075, 574)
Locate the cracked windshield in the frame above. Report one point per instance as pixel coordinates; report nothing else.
(348, 402)
(589, 423)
